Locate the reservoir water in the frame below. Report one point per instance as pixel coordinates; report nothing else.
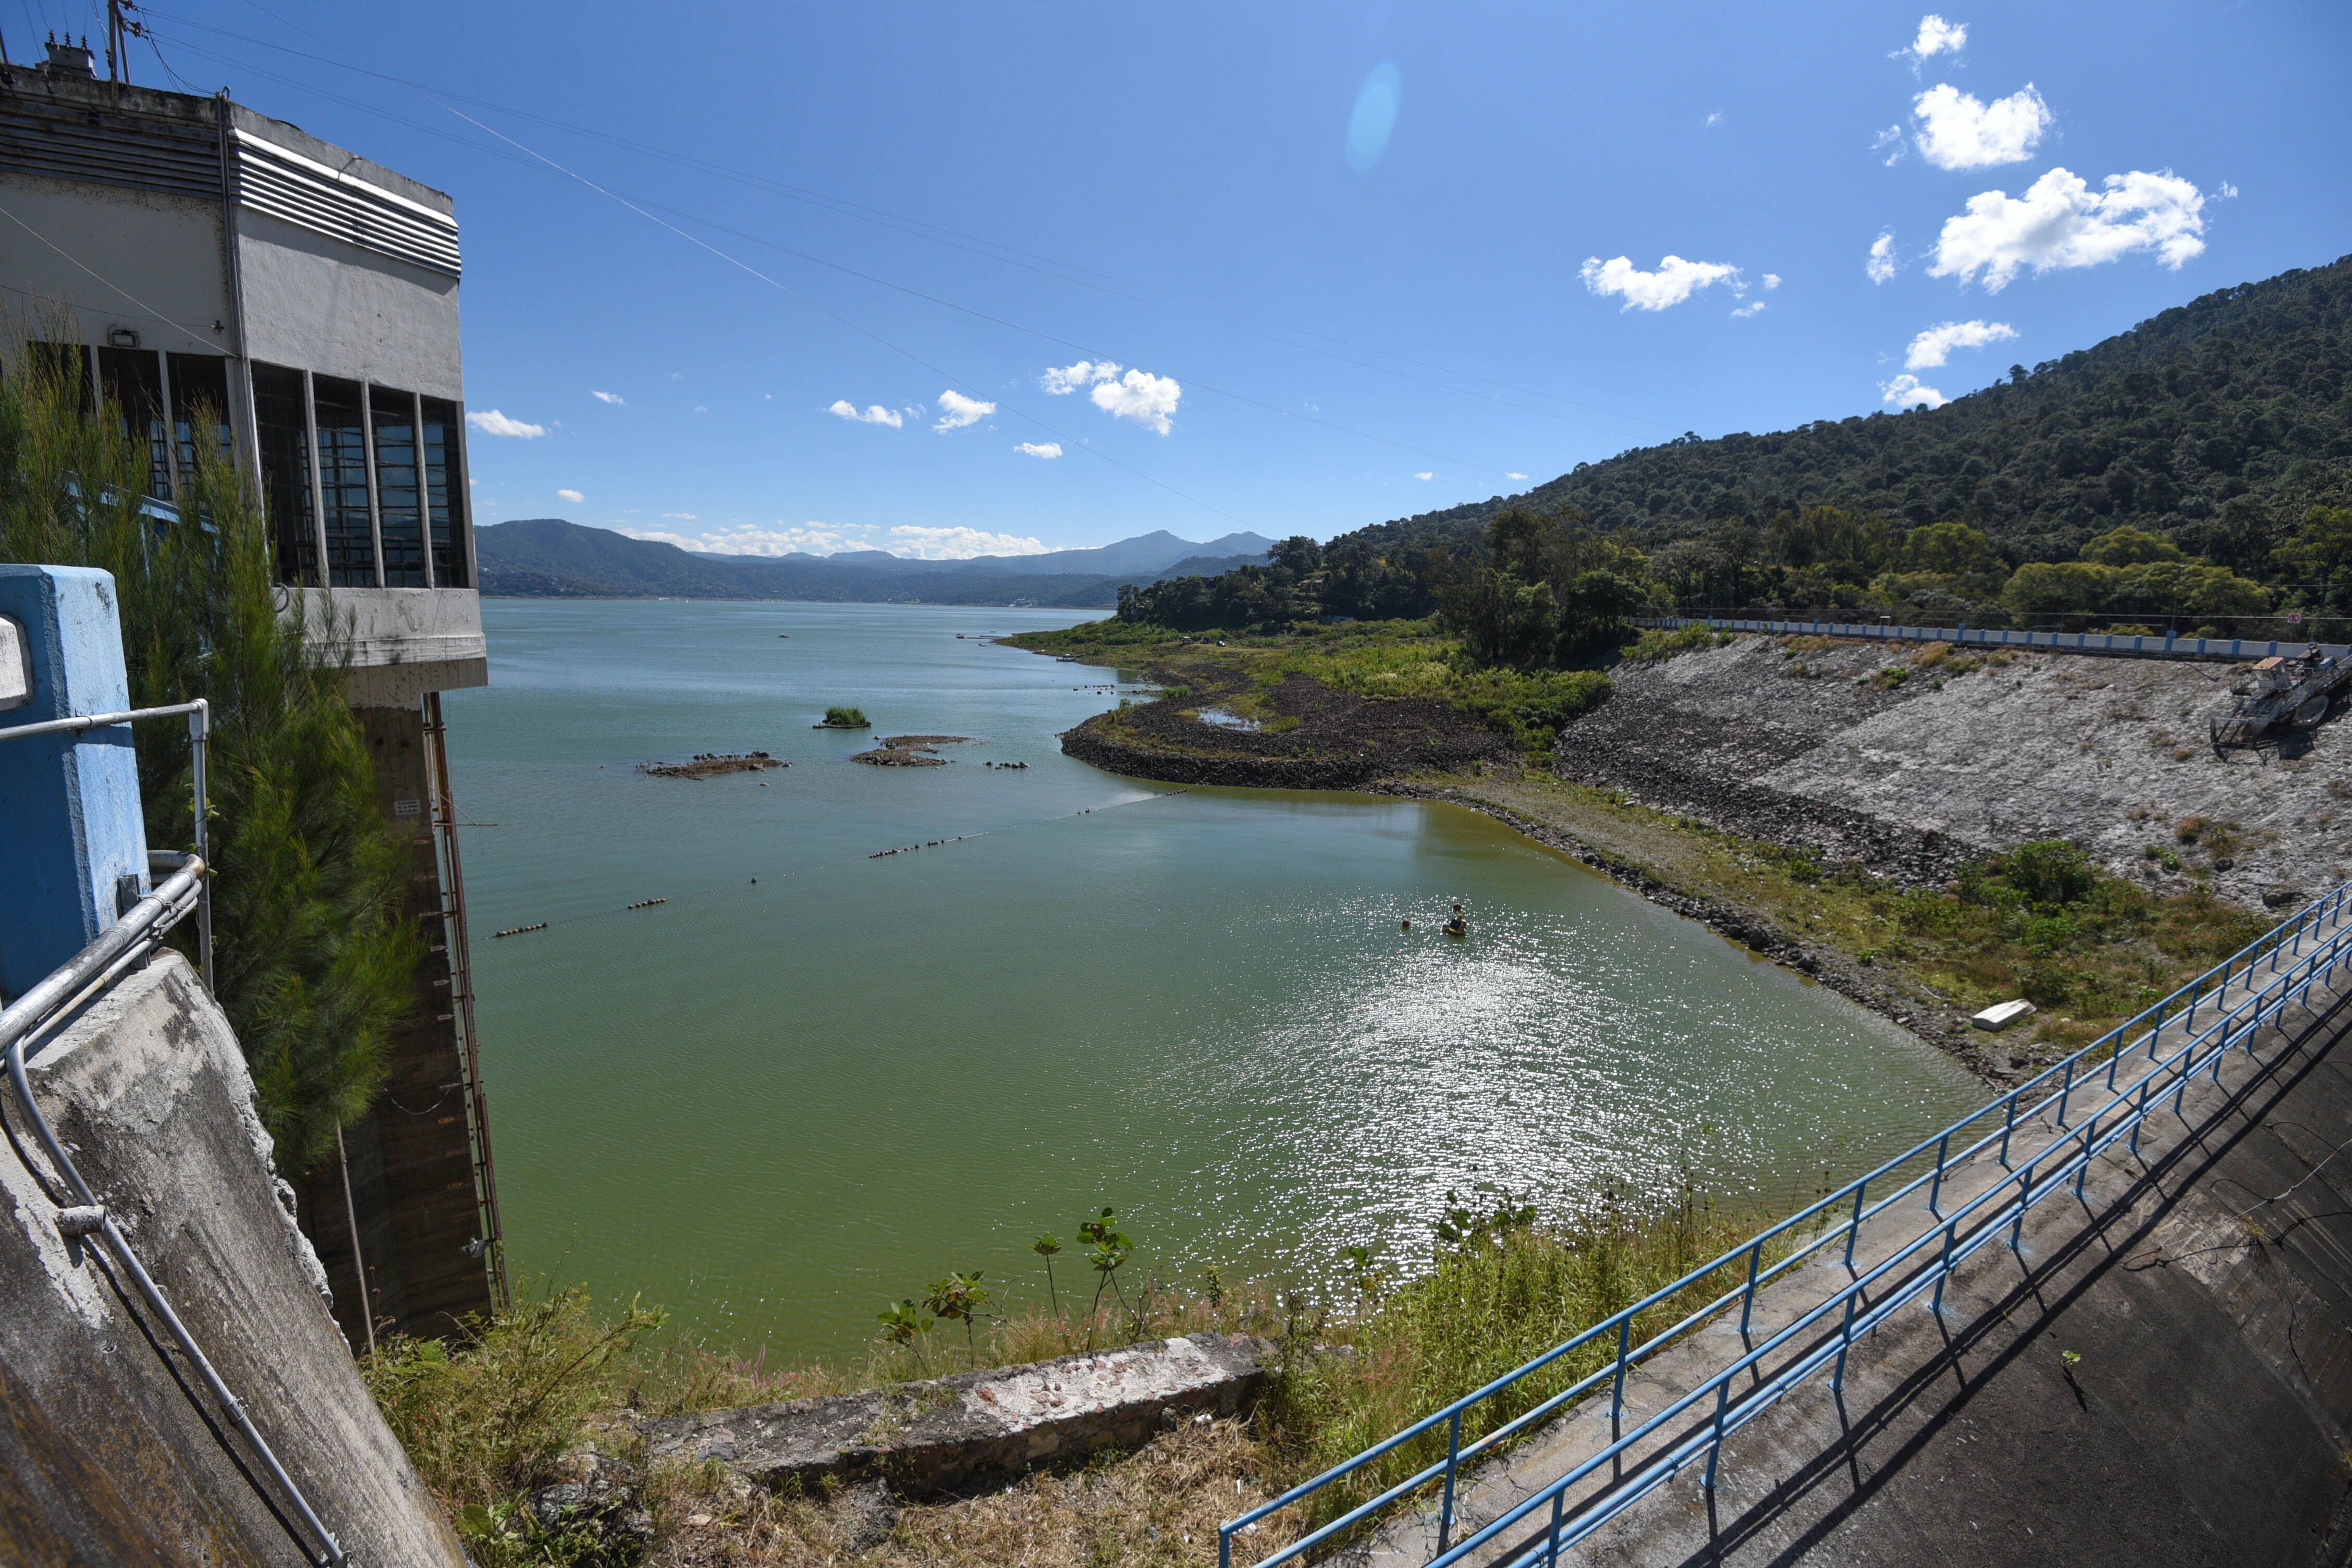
(813, 1080)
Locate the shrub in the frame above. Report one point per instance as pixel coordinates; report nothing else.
(314, 959)
(2049, 871)
(845, 719)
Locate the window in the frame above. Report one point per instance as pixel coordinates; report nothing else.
(283, 426)
(400, 517)
(343, 483)
(200, 410)
(68, 365)
(133, 380)
(445, 493)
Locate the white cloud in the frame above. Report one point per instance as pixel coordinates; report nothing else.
(1753, 307)
(874, 414)
(1426, 474)
(681, 516)
(1715, 118)
(956, 410)
(490, 422)
(1936, 37)
(1881, 263)
(1934, 346)
(574, 497)
(1515, 475)
(2225, 192)
(1069, 378)
(1771, 280)
(2060, 222)
(1893, 142)
(699, 408)
(1956, 132)
(1148, 399)
(611, 397)
(1908, 391)
(958, 543)
(1038, 449)
(1674, 281)
(815, 538)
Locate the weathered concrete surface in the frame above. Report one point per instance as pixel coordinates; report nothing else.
(934, 1437)
(104, 1457)
(1794, 744)
(2204, 1288)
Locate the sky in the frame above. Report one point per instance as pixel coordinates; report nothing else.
(990, 280)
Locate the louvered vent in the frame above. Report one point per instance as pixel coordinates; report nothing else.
(62, 141)
(307, 193)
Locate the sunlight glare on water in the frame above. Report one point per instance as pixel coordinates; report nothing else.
(771, 1106)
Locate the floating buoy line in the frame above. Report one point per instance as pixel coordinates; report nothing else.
(876, 855)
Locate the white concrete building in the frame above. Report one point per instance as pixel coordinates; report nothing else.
(211, 257)
(229, 280)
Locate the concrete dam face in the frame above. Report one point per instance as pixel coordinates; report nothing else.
(111, 1449)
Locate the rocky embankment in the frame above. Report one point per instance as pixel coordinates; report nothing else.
(1867, 753)
(710, 764)
(1318, 738)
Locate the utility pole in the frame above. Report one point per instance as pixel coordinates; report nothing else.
(120, 30)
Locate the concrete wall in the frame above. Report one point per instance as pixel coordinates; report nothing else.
(182, 305)
(340, 310)
(412, 1163)
(104, 1459)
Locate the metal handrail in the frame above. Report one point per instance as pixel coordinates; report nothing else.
(131, 938)
(200, 732)
(2144, 645)
(2207, 990)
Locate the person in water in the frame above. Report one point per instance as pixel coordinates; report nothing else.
(1458, 925)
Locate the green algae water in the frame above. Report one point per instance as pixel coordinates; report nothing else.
(813, 1079)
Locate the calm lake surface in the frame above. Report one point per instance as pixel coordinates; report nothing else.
(772, 1105)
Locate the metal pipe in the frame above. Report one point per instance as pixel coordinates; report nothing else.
(142, 925)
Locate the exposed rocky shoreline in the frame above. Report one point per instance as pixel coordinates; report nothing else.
(710, 764)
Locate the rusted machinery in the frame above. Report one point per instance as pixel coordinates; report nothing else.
(2291, 691)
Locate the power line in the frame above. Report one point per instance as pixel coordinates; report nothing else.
(649, 208)
(975, 244)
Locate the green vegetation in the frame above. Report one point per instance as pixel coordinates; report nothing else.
(488, 1420)
(845, 719)
(315, 961)
(2195, 470)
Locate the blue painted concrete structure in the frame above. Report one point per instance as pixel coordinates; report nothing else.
(70, 826)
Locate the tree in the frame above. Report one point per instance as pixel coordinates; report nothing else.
(315, 961)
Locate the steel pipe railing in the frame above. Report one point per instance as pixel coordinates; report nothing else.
(2262, 993)
(199, 715)
(133, 936)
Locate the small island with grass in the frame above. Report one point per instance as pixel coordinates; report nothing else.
(839, 718)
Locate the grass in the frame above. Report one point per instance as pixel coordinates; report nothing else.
(2087, 960)
(488, 1420)
(845, 719)
(1379, 660)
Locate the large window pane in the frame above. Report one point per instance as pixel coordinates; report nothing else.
(283, 428)
(199, 410)
(444, 493)
(68, 365)
(133, 381)
(343, 483)
(400, 518)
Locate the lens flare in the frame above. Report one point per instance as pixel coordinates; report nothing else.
(1374, 117)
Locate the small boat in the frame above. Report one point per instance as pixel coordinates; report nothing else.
(1457, 926)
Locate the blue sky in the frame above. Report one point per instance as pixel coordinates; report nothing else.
(1350, 263)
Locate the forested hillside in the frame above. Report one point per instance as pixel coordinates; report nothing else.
(2195, 471)
(2216, 424)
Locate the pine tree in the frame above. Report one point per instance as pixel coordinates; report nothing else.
(315, 962)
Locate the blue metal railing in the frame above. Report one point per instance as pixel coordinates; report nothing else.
(2148, 646)
(1916, 1264)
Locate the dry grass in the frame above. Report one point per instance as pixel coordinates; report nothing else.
(1159, 1506)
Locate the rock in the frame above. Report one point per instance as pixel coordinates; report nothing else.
(595, 1518)
(976, 1426)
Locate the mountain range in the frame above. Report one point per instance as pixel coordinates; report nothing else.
(551, 557)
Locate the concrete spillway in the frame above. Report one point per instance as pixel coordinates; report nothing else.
(2160, 1372)
(109, 1451)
